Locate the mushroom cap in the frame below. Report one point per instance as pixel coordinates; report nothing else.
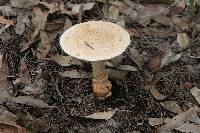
(95, 40)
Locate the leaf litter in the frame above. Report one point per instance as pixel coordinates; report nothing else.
(50, 18)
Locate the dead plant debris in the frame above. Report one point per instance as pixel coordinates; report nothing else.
(155, 82)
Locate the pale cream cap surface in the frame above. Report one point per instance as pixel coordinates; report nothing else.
(95, 40)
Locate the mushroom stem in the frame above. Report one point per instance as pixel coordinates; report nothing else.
(101, 85)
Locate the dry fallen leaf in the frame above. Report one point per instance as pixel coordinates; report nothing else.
(161, 33)
(196, 93)
(5, 114)
(155, 62)
(169, 58)
(121, 23)
(7, 10)
(179, 24)
(1, 61)
(65, 60)
(4, 95)
(137, 58)
(32, 89)
(76, 8)
(68, 24)
(127, 68)
(182, 40)
(148, 12)
(131, 13)
(117, 60)
(40, 18)
(171, 106)
(121, 5)
(44, 46)
(105, 11)
(4, 71)
(113, 12)
(115, 74)
(75, 74)
(194, 118)
(189, 128)
(177, 121)
(54, 25)
(102, 115)
(186, 85)
(27, 100)
(6, 21)
(24, 3)
(162, 19)
(53, 6)
(163, 58)
(154, 92)
(10, 127)
(158, 121)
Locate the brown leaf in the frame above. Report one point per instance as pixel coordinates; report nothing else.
(4, 71)
(179, 24)
(161, 33)
(4, 95)
(115, 74)
(40, 18)
(24, 3)
(127, 68)
(117, 60)
(137, 58)
(6, 21)
(189, 128)
(54, 25)
(4, 114)
(171, 106)
(53, 6)
(27, 100)
(183, 40)
(169, 57)
(68, 24)
(76, 8)
(105, 11)
(146, 13)
(32, 89)
(1, 61)
(177, 121)
(65, 60)
(158, 121)
(102, 115)
(178, 9)
(113, 12)
(121, 5)
(164, 20)
(75, 74)
(10, 127)
(196, 93)
(131, 13)
(186, 85)
(155, 62)
(44, 46)
(121, 23)
(7, 10)
(154, 92)
(163, 58)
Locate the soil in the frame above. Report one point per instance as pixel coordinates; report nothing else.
(74, 98)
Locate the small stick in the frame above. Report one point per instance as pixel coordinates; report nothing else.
(89, 45)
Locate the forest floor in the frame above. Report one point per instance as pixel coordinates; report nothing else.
(155, 82)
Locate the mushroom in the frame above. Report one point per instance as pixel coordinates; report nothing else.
(96, 41)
